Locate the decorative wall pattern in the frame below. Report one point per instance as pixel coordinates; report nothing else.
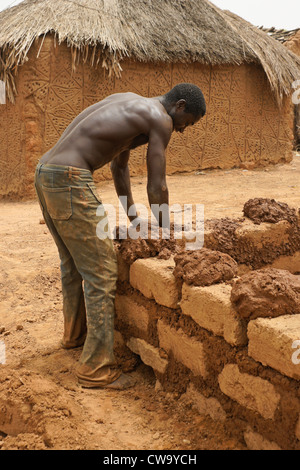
(294, 45)
(243, 126)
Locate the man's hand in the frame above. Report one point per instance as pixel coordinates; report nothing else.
(139, 228)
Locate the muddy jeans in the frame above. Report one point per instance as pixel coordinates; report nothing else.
(69, 200)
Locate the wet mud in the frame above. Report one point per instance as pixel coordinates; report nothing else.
(261, 210)
(266, 293)
(204, 267)
(225, 237)
(163, 246)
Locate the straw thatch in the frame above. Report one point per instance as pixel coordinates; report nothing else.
(281, 35)
(107, 31)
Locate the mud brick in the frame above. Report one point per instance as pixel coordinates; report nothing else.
(154, 278)
(254, 393)
(264, 234)
(185, 349)
(289, 263)
(205, 406)
(211, 308)
(255, 441)
(256, 236)
(271, 341)
(148, 354)
(123, 269)
(130, 312)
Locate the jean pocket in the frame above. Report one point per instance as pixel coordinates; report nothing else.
(93, 190)
(58, 202)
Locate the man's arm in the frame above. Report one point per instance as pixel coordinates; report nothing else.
(120, 172)
(157, 189)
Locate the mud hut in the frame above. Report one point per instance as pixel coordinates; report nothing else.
(57, 58)
(291, 39)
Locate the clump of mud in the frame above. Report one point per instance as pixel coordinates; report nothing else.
(224, 231)
(266, 293)
(268, 210)
(131, 250)
(224, 236)
(204, 267)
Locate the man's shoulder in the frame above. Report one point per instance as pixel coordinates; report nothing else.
(156, 115)
(136, 103)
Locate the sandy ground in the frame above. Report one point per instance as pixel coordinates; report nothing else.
(39, 374)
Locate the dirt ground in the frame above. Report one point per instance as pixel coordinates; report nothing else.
(41, 405)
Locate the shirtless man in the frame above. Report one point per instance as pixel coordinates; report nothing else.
(104, 133)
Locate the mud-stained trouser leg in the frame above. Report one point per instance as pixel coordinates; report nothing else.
(73, 303)
(97, 363)
(72, 288)
(69, 197)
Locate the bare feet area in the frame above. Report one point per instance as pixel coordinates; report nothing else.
(41, 404)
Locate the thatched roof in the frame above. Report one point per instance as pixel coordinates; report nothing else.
(281, 35)
(107, 31)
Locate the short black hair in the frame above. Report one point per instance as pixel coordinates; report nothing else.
(195, 102)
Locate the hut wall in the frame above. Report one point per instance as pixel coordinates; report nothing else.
(243, 126)
(294, 46)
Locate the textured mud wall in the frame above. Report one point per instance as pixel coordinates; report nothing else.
(243, 125)
(294, 46)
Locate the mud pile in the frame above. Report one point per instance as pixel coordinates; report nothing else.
(224, 230)
(266, 293)
(228, 236)
(35, 413)
(131, 250)
(261, 210)
(225, 235)
(204, 267)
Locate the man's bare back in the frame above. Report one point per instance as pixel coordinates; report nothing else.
(119, 123)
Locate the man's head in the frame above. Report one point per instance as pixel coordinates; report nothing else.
(185, 104)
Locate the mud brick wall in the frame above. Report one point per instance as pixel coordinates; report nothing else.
(243, 127)
(236, 371)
